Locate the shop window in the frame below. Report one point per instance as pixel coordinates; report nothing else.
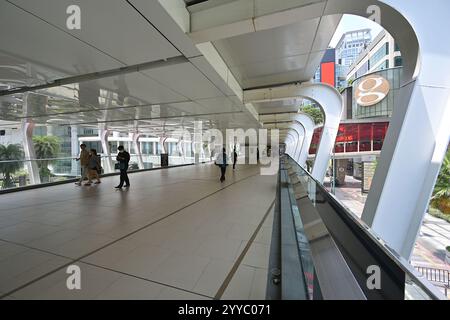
(351, 146)
(339, 147)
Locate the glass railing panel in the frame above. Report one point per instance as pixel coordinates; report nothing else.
(19, 173)
(362, 248)
(303, 246)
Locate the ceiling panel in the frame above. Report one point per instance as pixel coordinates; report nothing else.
(36, 42)
(273, 56)
(218, 104)
(107, 93)
(17, 72)
(112, 26)
(325, 31)
(277, 71)
(185, 79)
(289, 105)
(267, 45)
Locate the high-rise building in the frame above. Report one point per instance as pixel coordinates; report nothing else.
(382, 53)
(348, 49)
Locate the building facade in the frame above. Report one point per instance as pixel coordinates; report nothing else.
(326, 73)
(348, 49)
(382, 53)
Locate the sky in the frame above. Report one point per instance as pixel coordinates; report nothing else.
(350, 23)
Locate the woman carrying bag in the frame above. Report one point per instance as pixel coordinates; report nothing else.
(95, 167)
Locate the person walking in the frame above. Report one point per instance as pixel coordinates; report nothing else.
(123, 157)
(94, 166)
(221, 161)
(84, 162)
(235, 155)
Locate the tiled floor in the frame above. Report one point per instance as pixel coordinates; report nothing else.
(175, 234)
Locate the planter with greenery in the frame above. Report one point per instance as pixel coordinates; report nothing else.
(12, 154)
(441, 192)
(21, 176)
(45, 147)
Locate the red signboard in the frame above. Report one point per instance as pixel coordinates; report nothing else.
(327, 73)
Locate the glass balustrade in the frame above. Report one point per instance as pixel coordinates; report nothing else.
(361, 249)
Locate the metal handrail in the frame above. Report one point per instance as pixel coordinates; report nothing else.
(74, 158)
(441, 277)
(435, 274)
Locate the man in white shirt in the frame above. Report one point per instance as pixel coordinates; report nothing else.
(222, 162)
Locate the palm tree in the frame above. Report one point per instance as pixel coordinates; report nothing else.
(13, 154)
(441, 193)
(45, 147)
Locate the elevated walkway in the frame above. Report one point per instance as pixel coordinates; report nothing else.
(175, 234)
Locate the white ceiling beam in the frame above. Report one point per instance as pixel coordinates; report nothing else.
(271, 94)
(245, 16)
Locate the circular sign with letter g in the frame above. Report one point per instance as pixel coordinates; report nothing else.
(371, 90)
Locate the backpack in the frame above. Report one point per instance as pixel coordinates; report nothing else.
(99, 165)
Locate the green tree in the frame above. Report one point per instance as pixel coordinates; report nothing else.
(45, 147)
(11, 153)
(441, 192)
(314, 113)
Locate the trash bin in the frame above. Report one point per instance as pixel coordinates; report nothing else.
(164, 159)
(22, 181)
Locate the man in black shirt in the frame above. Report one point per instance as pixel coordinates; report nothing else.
(234, 158)
(123, 157)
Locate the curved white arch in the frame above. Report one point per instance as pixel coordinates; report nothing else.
(291, 142)
(327, 97)
(297, 133)
(290, 138)
(301, 138)
(405, 178)
(293, 137)
(308, 125)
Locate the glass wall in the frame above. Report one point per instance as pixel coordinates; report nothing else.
(56, 148)
(355, 137)
(380, 54)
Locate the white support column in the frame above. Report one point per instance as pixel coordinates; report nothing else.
(162, 141)
(28, 148)
(300, 139)
(308, 125)
(137, 148)
(107, 161)
(181, 148)
(419, 130)
(293, 138)
(75, 150)
(420, 126)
